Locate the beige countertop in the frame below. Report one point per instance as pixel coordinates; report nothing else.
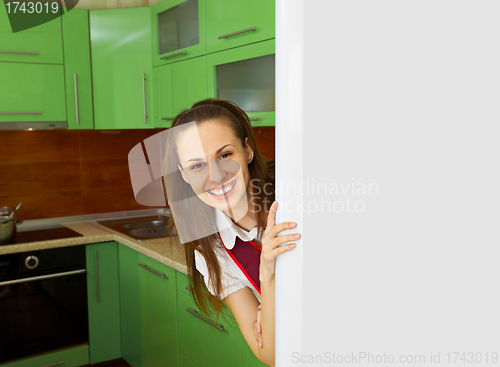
(167, 250)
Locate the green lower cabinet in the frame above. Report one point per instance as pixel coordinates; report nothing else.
(185, 361)
(72, 357)
(103, 301)
(177, 87)
(130, 306)
(158, 312)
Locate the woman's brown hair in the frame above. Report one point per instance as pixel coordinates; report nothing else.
(262, 196)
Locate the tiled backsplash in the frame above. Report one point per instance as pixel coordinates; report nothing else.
(68, 172)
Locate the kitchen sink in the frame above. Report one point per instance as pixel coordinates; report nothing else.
(141, 228)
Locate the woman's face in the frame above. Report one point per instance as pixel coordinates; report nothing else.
(215, 164)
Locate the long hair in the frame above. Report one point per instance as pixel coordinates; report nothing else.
(261, 177)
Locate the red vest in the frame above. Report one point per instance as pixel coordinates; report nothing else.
(247, 256)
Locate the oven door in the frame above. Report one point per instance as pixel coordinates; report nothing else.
(41, 312)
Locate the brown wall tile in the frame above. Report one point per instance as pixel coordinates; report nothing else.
(108, 173)
(265, 137)
(114, 199)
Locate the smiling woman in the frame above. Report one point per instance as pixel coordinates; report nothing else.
(215, 180)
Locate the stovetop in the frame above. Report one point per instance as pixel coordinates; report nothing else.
(43, 235)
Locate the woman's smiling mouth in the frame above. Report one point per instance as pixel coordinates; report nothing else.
(221, 192)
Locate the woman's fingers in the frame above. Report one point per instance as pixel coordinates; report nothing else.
(271, 217)
(271, 255)
(277, 229)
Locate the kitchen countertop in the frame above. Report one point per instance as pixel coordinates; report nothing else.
(167, 250)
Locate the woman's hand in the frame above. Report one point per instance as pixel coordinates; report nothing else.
(257, 329)
(271, 243)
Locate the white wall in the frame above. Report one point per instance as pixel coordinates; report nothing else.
(400, 99)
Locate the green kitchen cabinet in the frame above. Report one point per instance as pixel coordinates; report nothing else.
(177, 87)
(246, 76)
(130, 306)
(40, 44)
(122, 68)
(77, 69)
(177, 30)
(32, 92)
(185, 361)
(158, 312)
(70, 357)
(232, 23)
(103, 301)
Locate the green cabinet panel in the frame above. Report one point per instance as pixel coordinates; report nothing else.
(35, 92)
(103, 301)
(130, 306)
(122, 68)
(206, 345)
(177, 87)
(72, 357)
(246, 76)
(77, 69)
(158, 313)
(177, 30)
(224, 18)
(185, 361)
(40, 44)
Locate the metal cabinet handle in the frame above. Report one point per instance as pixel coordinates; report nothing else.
(76, 98)
(41, 277)
(54, 364)
(168, 118)
(96, 277)
(21, 113)
(169, 56)
(239, 32)
(144, 96)
(19, 52)
(151, 270)
(194, 312)
(253, 118)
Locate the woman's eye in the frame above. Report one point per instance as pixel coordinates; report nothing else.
(196, 166)
(225, 155)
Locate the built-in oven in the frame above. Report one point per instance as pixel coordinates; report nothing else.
(43, 301)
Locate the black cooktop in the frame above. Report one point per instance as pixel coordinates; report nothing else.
(43, 235)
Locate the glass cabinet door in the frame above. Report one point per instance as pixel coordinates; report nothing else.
(178, 29)
(245, 76)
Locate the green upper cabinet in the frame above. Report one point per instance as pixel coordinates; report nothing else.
(32, 92)
(40, 44)
(103, 301)
(177, 87)
(158, 312)
(178, 30)
(232, 23)
(246, 76)
(122, 68)
(76, 38)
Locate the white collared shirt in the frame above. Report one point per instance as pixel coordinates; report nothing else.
(232, 277)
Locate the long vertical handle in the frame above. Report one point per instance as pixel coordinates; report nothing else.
(144, 96)
(76, 98)
(96, 278)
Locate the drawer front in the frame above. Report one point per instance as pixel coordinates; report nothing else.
(72, 357)
(205, 345)
(40, 44)
(32, 92)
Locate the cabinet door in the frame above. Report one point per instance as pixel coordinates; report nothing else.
(178, 30)
(121, 68)
(32, 92)
(205, 345)
(69, 357)
(77, 69)
(104, 302)
(179, 86)
(40, 44)
(245, 76)
(130, 306)
(232, 23)
(158, 313)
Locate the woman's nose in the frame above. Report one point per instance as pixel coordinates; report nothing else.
(217, 173)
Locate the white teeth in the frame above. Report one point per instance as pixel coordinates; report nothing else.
(225, 190)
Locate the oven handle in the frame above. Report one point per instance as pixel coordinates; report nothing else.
(40, 277)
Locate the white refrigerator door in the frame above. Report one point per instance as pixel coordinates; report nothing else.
(387, 150)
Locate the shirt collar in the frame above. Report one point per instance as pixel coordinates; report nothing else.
(229, 231)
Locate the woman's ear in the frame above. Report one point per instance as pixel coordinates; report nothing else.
(183, 174)
(249, 151)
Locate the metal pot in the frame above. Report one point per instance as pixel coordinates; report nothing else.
(8, 224)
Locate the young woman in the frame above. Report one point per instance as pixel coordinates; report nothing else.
(221, 193)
